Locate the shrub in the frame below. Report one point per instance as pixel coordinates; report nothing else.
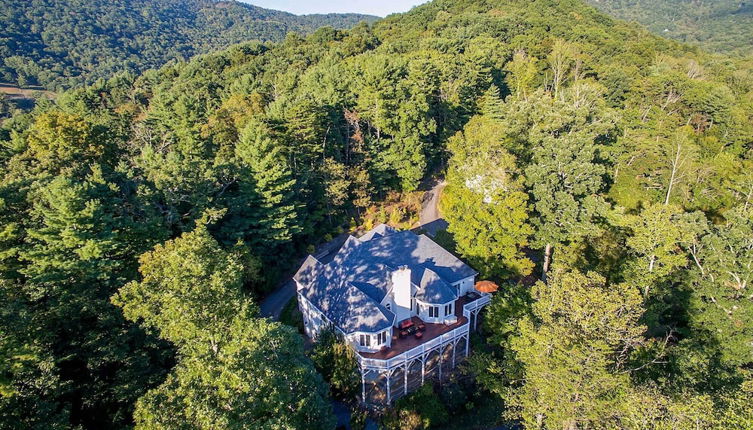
(419, 411)
(336, 361)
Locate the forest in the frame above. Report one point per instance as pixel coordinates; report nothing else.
(721, 26)
(60, 44)
(600, 174)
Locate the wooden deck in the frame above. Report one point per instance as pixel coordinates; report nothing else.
(432, 331)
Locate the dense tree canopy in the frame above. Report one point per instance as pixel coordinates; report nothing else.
(715, 25)
(234, 370)
(60, 44)
(573, 143)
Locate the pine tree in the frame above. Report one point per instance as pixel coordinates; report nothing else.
(78, 251)
(269, 187)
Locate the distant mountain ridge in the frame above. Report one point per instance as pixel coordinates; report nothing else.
(64, 43)
(715, 25)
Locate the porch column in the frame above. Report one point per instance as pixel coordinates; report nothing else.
(389, 378)
(467, 343)
(423, 368)
(363, 385)
(454, 347)
(405, 377)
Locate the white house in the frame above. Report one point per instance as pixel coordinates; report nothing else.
(403, 302)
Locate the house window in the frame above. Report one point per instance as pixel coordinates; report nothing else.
(365, 340)
(382, 338)
(388, 306)
(448, 309)
(433, 311)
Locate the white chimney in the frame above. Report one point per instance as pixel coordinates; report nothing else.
(401, 287)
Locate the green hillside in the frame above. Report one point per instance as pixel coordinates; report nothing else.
(715, 25)
(64, 43)
(142, 217)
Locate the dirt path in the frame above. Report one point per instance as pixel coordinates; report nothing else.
(430, 219)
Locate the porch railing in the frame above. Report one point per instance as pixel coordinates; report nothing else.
(468, 308)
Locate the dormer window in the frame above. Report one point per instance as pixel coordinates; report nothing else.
(388, 306)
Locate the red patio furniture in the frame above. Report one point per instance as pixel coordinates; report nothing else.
(419, 335)
(405, 324)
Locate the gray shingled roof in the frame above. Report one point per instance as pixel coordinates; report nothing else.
(379, 231)
(349, 289)
(348, 307)
(309, 270)
(432, 289)
(405, 248)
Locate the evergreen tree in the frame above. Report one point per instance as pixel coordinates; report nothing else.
(270, 185)
(78, 250)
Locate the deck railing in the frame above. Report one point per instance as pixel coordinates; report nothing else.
(468, 308)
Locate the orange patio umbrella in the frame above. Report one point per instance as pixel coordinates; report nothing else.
(486, 286)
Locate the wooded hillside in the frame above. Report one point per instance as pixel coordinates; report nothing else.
(142, 216)
(61, 44)
(715, 25)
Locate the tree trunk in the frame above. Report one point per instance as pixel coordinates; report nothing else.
(673, 177)
(547, 259)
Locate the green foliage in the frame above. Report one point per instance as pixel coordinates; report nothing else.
(565, 175)
(259, 377)
(233, 369)
(656, 238)
(558, 125)
(272, 184)
(336, 361)
(190, 290)
(573, 350)
(721, 307)
(420, 410)
(490, 235)
(59, 45)
(485, 206)
(67, 340)
(718, 25)
(292, 316)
